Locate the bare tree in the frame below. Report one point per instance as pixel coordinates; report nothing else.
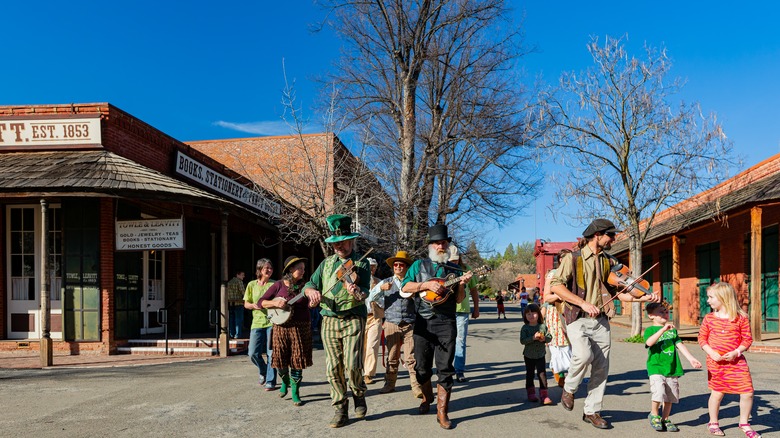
(312, 176)
(627, 149)
(433, 82)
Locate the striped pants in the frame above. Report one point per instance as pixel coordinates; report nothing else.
(342, 339)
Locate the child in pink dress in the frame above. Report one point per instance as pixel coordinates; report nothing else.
(725, 335)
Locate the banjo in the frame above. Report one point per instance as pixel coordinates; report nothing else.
(281, 316)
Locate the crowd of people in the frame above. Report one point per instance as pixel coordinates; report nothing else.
(425, 317)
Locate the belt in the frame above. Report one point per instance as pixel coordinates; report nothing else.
(584, 314)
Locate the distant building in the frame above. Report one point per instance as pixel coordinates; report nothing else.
(546, 254)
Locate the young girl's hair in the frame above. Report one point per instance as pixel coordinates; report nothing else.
(533, 307)
(726, 294)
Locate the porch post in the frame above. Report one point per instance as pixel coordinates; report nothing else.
(755, 272)
(676, 281)
(224, 342)
(47, 356)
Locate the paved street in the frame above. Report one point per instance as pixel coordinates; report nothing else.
(220, 397)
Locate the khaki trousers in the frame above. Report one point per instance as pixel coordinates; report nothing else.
(373, 337)
(590, 340)
(395, 337)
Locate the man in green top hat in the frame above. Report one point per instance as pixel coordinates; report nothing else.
(342, 301)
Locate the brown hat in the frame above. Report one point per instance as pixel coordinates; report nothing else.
(400, 256)
(290, 261)
(600, 226)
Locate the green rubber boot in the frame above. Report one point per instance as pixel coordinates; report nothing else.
(285, 385)
(295, 384)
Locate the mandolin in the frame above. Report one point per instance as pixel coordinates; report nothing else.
(450, 280)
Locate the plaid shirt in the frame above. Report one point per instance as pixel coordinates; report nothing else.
(235, 291)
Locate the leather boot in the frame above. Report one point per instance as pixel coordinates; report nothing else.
(342, 414)
(389, 387)
(442, 407)
(531, 394)
(360, 406)
(416, 389)
(427, 397)
(544, 397)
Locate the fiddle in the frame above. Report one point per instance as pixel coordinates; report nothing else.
(620, 276)
(637, 287)
(347, 274)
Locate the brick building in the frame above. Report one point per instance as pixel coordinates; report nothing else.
(312, 172)
(727, 233)
(133, 221)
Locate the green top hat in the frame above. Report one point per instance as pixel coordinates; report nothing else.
(340, 226)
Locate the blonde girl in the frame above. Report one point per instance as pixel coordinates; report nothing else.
(725, 337)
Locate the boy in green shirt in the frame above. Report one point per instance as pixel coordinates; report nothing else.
(663, 365)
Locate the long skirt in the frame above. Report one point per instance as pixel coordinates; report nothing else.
(292, 345)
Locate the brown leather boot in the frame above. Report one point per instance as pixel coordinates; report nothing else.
(416, 389)
(389, 387)
(427, 397)
(442, 407)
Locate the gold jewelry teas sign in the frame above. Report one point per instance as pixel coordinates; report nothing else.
(54, 133)
(150, 234)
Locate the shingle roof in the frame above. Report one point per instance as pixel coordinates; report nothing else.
(766, 189)
(97, 171)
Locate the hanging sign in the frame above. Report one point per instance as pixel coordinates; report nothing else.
(149, 234)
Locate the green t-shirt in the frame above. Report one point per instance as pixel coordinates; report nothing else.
(662, 358)
(254, 291)
(464, 306)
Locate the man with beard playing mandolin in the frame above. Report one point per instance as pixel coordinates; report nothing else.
(434, 327)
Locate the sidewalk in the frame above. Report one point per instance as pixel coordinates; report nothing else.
(769, 343)
(32, 360)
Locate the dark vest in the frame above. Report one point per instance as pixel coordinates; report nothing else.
(576, 284)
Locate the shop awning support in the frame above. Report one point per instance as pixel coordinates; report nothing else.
(47, 355)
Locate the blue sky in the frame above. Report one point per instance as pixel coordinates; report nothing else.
(203, 70)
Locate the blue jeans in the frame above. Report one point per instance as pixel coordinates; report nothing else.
(462, 325)
(236, 321)
(259, 340)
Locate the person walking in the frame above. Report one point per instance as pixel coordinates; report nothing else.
(261, 330)
(399, 323)
(581, 281)
(534, 335)
(235, 295)
(725, 336)
(434, 326)
(292, 343)
(373, 331)
(340, 285)
(462, 313)
(664, 367)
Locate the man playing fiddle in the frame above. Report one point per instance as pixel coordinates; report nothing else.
(340, 285)
(434, 327)
(581, 282)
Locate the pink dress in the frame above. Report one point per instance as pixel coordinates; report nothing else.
(723, 336)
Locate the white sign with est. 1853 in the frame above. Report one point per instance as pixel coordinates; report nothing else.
(143, 235)
(49, 132)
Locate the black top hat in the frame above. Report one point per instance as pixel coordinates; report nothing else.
(600, 226)
(438, 232)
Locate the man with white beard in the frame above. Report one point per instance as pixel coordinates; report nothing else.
(434, 327)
